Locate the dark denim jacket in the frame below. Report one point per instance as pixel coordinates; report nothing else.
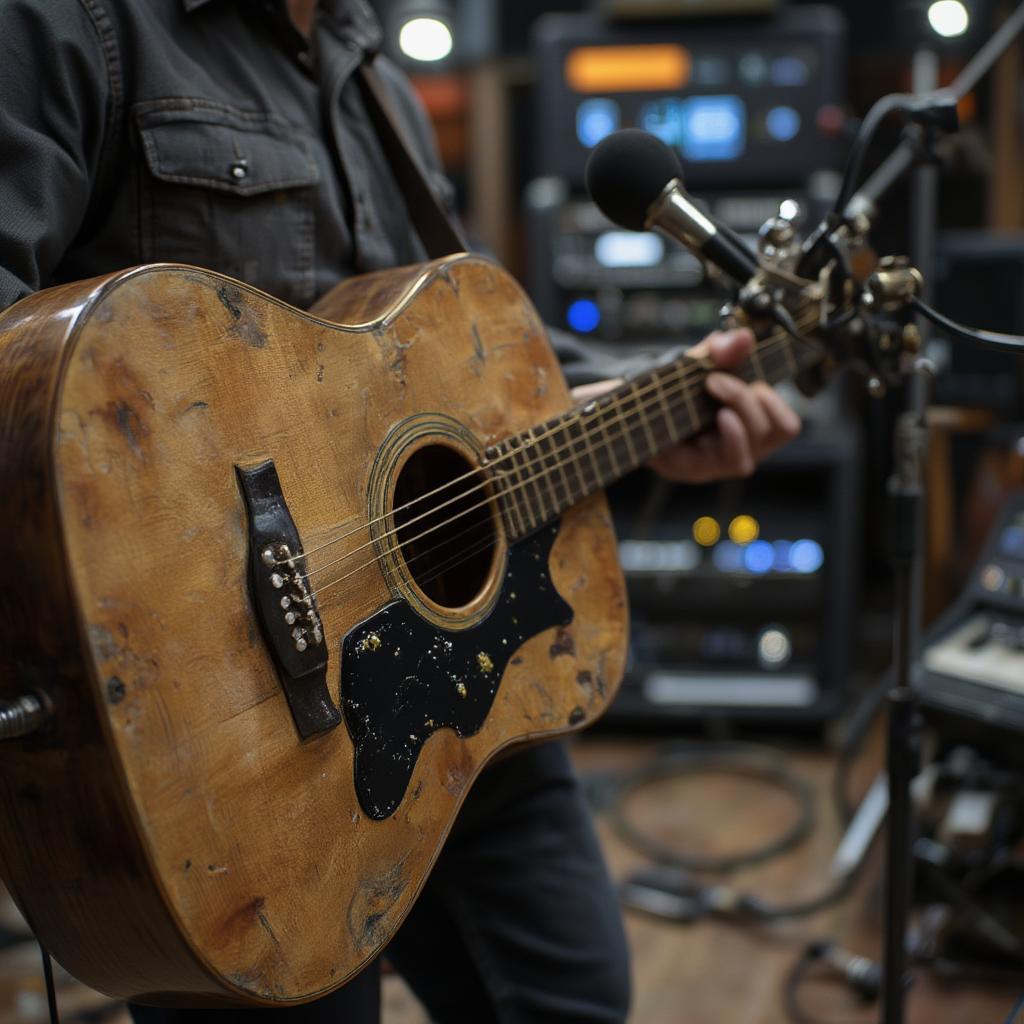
(206, 132)
(200, 131)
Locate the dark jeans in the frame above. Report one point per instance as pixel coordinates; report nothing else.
(518, 923)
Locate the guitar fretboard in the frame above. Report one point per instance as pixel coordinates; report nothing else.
(543, 471)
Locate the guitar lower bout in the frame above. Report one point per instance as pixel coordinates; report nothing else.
(206, 850)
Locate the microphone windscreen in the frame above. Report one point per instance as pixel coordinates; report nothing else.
(627, 172)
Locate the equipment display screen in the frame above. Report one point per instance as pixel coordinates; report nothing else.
(760, 106)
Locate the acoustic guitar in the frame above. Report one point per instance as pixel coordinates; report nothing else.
(289, 581)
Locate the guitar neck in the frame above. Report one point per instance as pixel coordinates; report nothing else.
(547, 469)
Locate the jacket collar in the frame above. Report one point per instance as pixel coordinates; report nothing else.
(352, 19)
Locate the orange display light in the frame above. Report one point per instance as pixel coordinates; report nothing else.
(658, 67)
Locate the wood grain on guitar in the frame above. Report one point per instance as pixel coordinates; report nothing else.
(174, 837)
(289, 581)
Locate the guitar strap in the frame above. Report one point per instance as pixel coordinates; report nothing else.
(437, 231)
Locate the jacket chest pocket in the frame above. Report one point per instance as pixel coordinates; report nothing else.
(231, 191)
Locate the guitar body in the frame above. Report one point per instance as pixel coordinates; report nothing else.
(188, 830)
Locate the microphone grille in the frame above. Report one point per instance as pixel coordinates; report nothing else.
(627, 172)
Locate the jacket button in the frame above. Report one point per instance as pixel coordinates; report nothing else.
(240, 169)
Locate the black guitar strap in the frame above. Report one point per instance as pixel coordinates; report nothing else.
(440, 236)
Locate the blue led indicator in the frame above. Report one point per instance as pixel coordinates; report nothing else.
(759, 557)
(806, 556)
(596, 119)
(783, 123)
(583, 316)
(782, 550)
(713, 127)
(727, 557)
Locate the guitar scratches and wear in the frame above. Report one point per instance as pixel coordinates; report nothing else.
(211, 132)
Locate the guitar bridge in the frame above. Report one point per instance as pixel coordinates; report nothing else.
(285, 605)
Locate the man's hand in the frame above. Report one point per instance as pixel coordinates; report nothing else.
(752, 423)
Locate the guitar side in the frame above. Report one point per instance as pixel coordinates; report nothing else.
(174, 815)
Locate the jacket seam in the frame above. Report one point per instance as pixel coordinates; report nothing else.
(107, 39)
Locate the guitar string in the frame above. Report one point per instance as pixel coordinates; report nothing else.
(591, 409)
(545, 472)
(367, 607)
(595, 406)
(522, 485)
(657, 399)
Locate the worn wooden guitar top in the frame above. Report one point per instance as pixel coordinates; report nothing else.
(289, 586)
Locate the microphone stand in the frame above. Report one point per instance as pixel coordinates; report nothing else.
(906, 490)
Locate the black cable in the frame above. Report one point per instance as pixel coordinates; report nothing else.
(860, 974)
(746, 760)
(993, 339)
(667, 890)
(791, 988)
(51, 991)
(879, 111)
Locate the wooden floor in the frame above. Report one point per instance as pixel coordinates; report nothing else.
(707, 973)
(716, 973)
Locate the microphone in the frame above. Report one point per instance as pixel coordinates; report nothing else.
(636, 182)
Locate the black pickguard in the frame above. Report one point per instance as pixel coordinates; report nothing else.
(403, 678)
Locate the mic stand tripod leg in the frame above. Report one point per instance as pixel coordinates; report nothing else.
(906, 491)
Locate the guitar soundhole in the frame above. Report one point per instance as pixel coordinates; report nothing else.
(445, 525)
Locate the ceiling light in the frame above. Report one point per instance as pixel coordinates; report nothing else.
(949, 18)
(425, 39)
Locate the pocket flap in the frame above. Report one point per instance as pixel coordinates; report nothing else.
(241, 153)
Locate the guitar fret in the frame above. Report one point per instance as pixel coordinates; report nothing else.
(541, 475)
(511, 503)
(627, 434)
(523, 483)
(609, 448)
(666, 410)
(588, 434)
(577, 462)
(652, 444)
(558, 453)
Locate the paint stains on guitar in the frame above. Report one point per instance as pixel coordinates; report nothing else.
(374, 898)
(246, 325)
(131, 427)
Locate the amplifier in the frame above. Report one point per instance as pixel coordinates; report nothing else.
(742, 593)
(972, 659)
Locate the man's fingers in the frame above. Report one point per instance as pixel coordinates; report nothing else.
(735, 457)
(746, 403)
(785, 422)
(726, 349)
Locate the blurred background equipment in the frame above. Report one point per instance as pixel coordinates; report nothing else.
(743, 594)
(757, 125)
(972, 682)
